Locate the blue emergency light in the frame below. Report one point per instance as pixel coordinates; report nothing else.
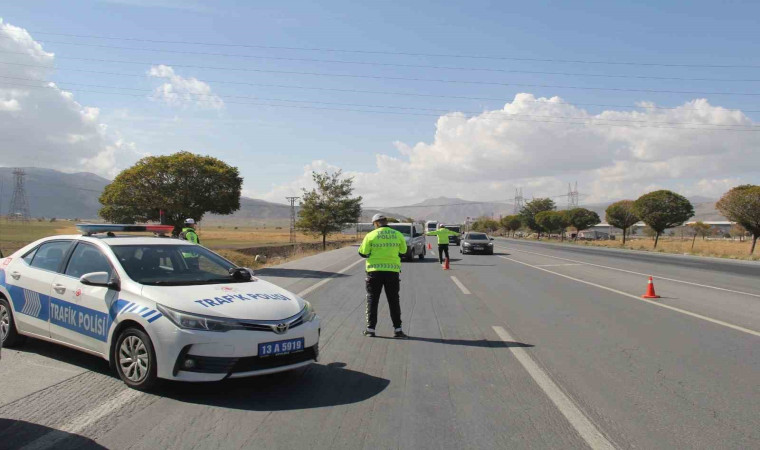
(92, 228)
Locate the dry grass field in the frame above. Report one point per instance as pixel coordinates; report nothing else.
(716, 248)
(14, 235)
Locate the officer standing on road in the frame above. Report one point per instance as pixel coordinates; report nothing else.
(443, 234)
(383, 248)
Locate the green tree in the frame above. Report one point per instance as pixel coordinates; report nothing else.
(582, 219)
(485, 225)
(661, 210)
(328, 207)
(533, 207)
(511, 223)
(742, 205)
(552, 221)
(698, 228)
(182, 185)
(621, 215)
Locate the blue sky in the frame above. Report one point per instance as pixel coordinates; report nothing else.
(272, 145)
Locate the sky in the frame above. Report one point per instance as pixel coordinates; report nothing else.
(413, 99)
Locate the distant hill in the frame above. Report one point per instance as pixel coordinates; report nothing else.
(55, 194)
(704, 209)
(451, 210)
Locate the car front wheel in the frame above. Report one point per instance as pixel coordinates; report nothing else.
(8, 331)
(136, 359)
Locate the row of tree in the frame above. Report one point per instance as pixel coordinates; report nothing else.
(182, 185)
(659, 210)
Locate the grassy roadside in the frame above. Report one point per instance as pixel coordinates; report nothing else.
(713, 248)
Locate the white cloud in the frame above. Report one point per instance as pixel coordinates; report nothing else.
(485, 157)
(45, 126)
(181, 91)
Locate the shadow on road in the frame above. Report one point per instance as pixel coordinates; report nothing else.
(18, 433)
(296, 273)
(463, 342)
(316, 386)
(62, 354)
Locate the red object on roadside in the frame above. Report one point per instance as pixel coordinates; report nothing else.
(430, 247)
(446, 264)
(650, 290)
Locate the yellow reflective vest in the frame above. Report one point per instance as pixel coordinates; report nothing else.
(383, 248)
(443, 235)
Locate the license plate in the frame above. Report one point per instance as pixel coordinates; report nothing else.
(478, 248)
(281, 347)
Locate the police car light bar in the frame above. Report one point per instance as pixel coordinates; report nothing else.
(92, 228)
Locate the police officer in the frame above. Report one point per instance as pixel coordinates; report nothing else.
(383, 248)
(189, 234)
(443, 234)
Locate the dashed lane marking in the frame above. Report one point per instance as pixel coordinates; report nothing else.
(585, 428)
(316, 286)
(635, 273)
(464, 290)
(661, 305)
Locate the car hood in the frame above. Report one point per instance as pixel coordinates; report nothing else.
(475, 242)
(256, 300)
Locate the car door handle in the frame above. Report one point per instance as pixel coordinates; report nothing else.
(15, 275)
(59, 288)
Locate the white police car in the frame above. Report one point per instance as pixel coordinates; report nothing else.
(154, 307)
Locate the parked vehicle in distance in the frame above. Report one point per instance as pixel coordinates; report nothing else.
(455, 240)
(474, 242)
(431, 225)
(415, 239)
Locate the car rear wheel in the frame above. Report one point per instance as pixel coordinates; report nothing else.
(136, 359)
(422, 255)
(11, 338)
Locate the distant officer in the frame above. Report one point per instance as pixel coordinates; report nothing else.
(383, 248)
(189, 234)
(443, 234)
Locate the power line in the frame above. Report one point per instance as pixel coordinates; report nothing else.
(381, 64)
(380, 77)
(362, 91)
(508, 116)
(381, 52)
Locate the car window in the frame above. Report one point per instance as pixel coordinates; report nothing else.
(173, 264)
(86, 259)
(49, 255)
(29, 256)
(406, 230)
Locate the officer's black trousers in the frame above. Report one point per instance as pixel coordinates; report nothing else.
(443, 248)
(376, 281)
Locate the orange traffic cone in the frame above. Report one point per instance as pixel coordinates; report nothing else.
(650, 290)
(446, 264)
(430, 247)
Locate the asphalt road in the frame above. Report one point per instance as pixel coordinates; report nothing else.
(538, 346)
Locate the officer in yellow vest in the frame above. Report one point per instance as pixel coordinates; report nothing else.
(383, 247)
(443, 234)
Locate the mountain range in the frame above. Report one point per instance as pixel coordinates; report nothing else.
(51, 193)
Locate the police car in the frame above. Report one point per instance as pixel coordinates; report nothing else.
(154, 307)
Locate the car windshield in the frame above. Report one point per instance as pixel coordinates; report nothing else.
(173, 265)
(406, 230)
(477, 237)
(457, 229)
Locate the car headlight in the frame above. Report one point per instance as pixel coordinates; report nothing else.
(309, 313)
(490, 244)
(188, 321)
(466, 244)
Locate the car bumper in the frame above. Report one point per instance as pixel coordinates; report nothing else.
(232, 354)
(482, 250)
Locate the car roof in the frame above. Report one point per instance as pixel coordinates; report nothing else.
(122, 239)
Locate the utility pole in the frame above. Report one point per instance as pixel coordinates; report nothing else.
(519, 200)
(572, 196)
(19, 209)
(292, 201)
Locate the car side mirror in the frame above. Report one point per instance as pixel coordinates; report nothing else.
(100, 279)
(490, 239)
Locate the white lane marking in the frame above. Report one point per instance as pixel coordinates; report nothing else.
(82, 421)
(636, 273)
(557, 265)
(316, 286)
(672, 308)
(587, 430)
(465, 291)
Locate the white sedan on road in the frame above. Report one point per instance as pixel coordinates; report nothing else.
(154, 307)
